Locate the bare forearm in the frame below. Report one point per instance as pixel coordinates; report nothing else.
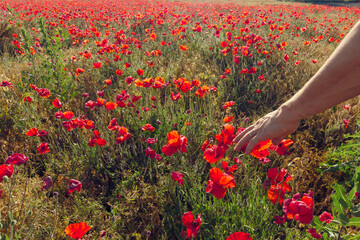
(336, 81)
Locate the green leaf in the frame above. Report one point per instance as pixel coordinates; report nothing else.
(356, 237)
(354, 221)
(343, 219)
(341, 196)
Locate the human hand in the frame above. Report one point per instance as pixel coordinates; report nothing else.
(275, 126)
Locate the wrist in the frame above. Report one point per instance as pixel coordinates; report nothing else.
(291, 112)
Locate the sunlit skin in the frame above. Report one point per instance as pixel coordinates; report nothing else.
(336, 81)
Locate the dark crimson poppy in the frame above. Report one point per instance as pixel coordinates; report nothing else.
(326, 217)
(192, 225)
(74, 185)
(280, 219)
(56, 103)
(227, 169)
(47, 183)
(239, 236)
(175, 143)
(219, 183)
(100, 93)
(178, 177)
(301, 210)
(16, 159)
(43, 148)
(313, 233)
(150, 152)
(77, 230)
(6, 170)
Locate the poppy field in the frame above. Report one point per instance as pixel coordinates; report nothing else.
(117, 121)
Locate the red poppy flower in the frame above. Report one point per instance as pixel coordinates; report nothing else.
(175, 97)
(192, 225)
(261, 149)
(112, 125)
(6, 170)
(212, 154)
(228, 104)
(228, 119)
(239, 236)
(280, 219)
(178, 177)
(74, 185)
(43, 148)
(32, 132)
(183, 48)
(126, 65)
(27, 99)
(77, 230)
(5, 84)
(97, 65)
(124, 135)
(277, 176)
(118, 72)
(68, 115)
(326, 217)
(110, 106)
(276, 193)
(148, 127)
(140, 72)
(313, 233)
(301, 210)
(227, 135)
(56, 103)
(219, 183)
(283, 147)
(79, 70)
(43, 92)
(227, 169)
(108, 82)
(16, 159)
(175, 143)
(150, 152)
